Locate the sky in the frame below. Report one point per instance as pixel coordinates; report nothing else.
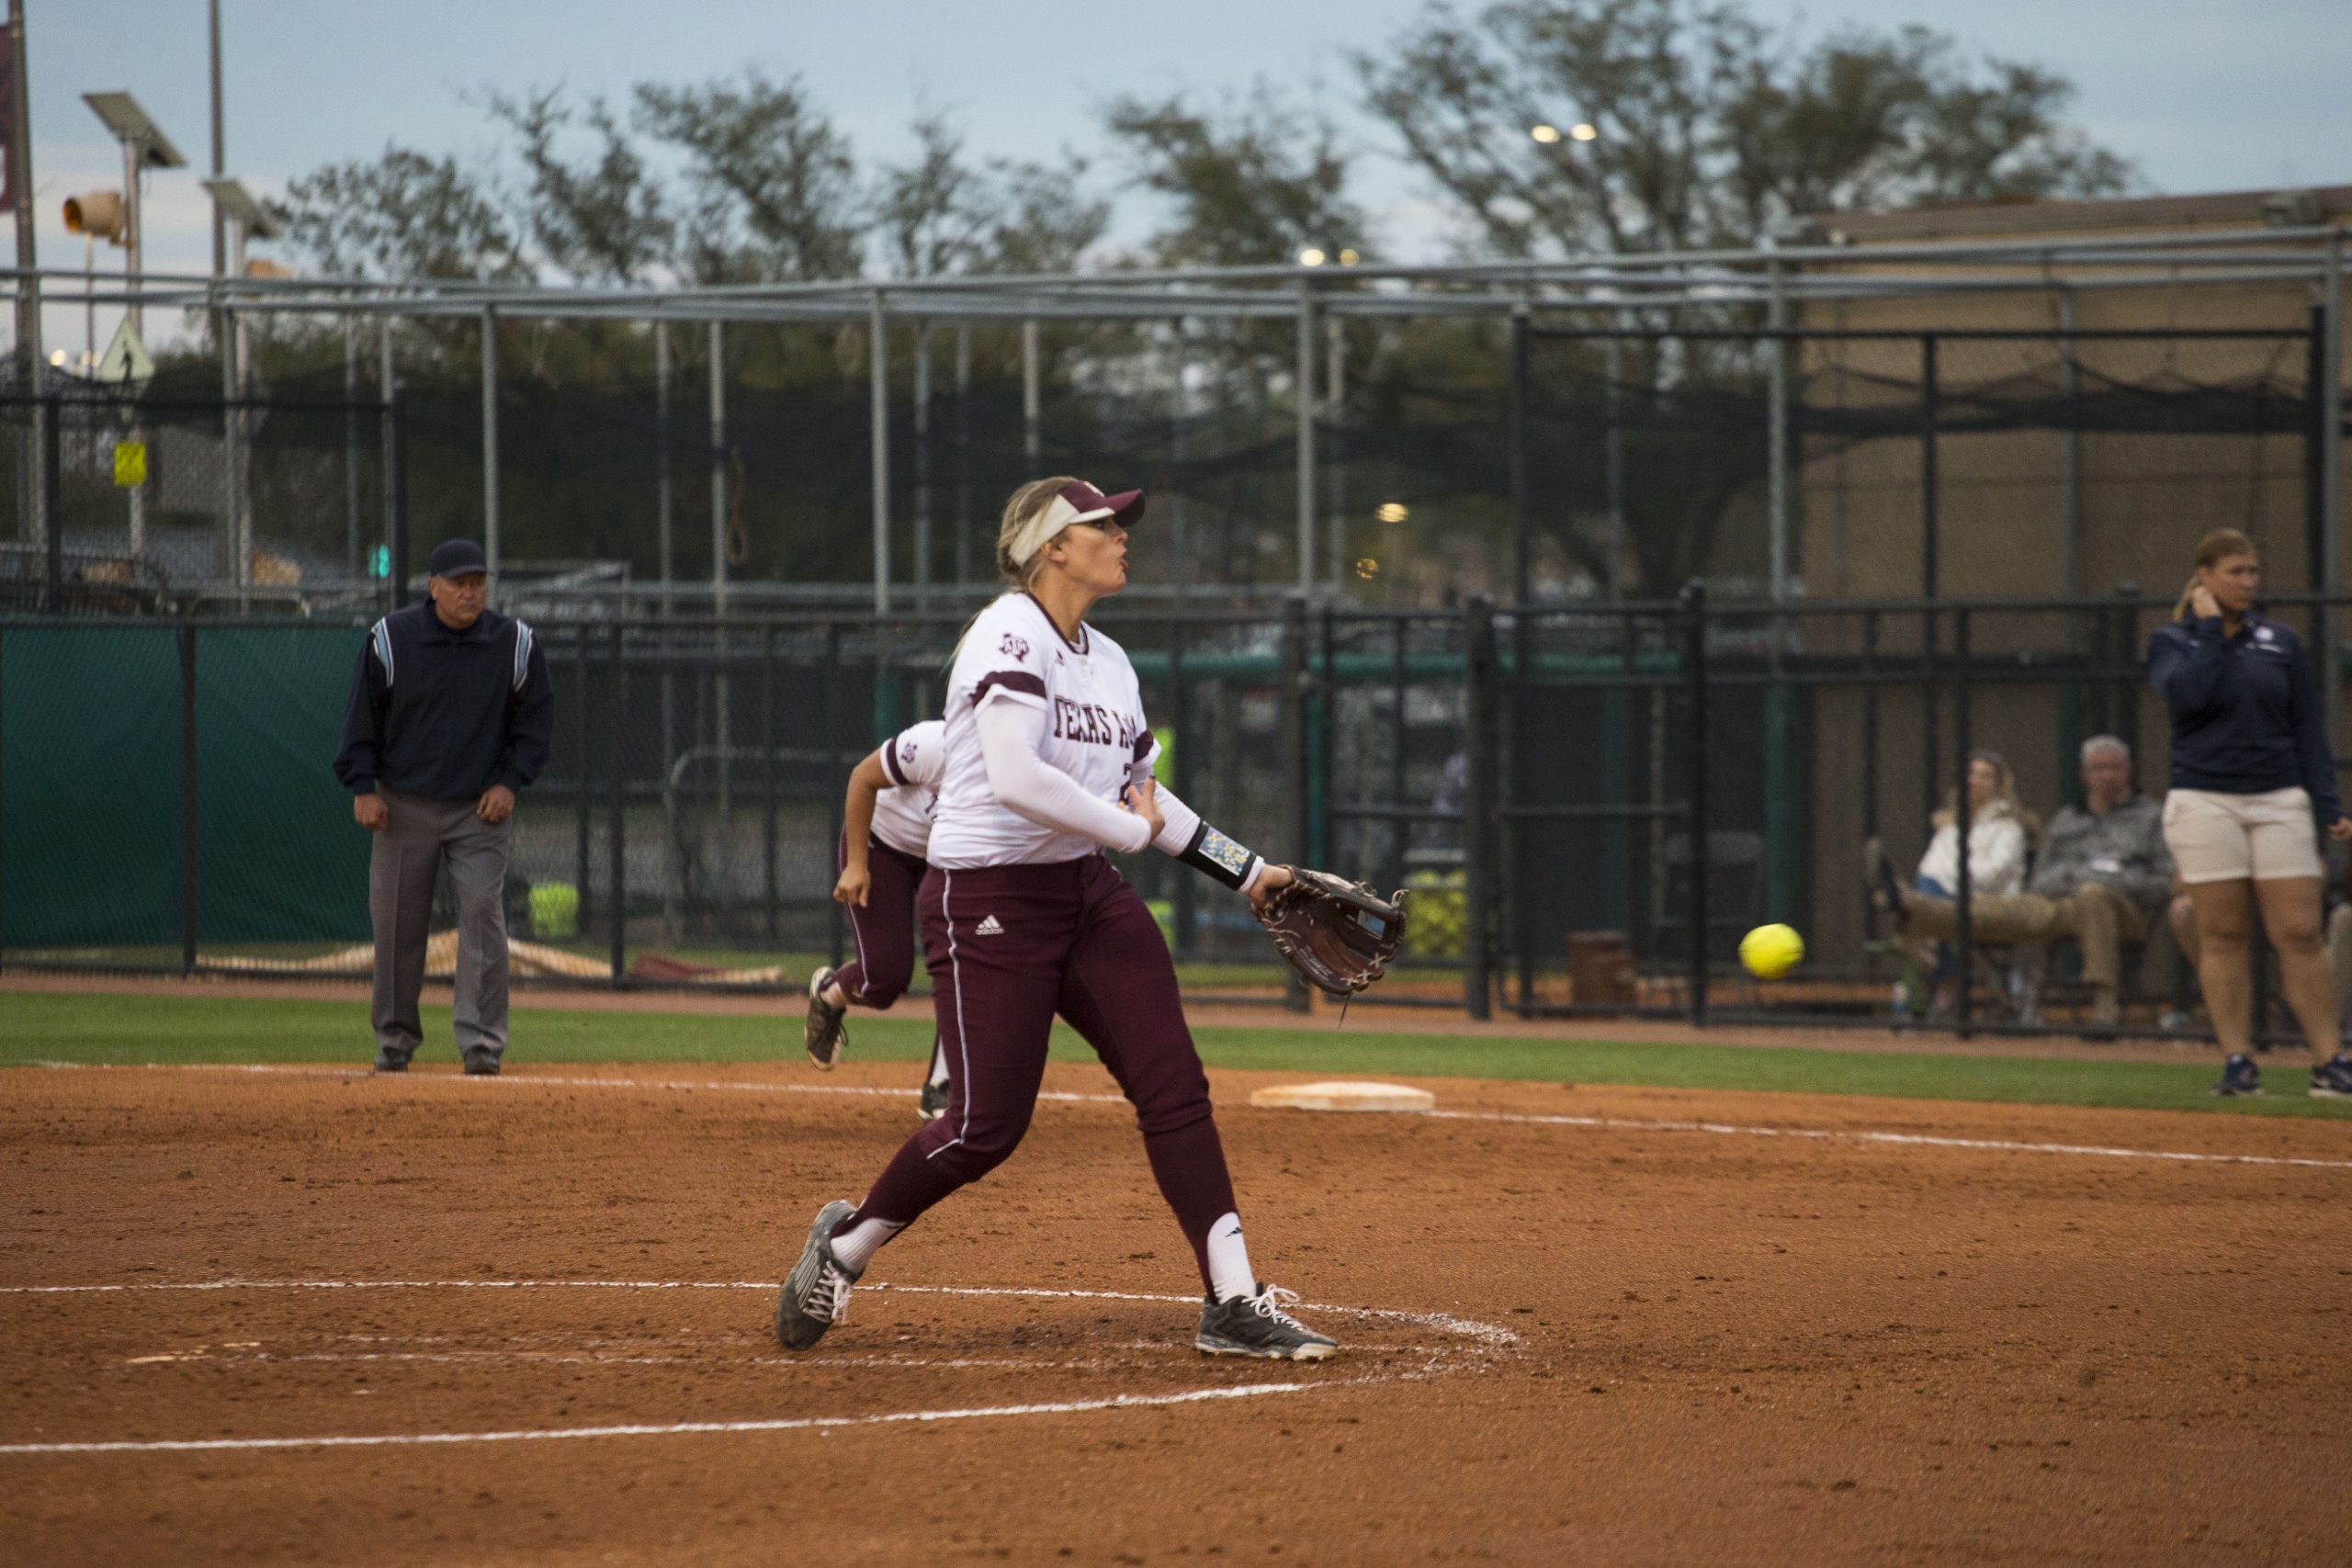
(2200, 95)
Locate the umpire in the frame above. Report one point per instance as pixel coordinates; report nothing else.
(450, 714)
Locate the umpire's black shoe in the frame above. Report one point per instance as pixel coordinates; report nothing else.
(2240, 1075)
(1257, 1325)
(823, 1033)
(933, 1104)
(816, 1293)
(390, 1061)
(481, 1063)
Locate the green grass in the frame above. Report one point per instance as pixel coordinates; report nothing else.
(124, 1028)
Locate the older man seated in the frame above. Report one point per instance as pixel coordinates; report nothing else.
(2101, 879)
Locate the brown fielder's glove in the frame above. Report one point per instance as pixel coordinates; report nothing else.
(1339, 935)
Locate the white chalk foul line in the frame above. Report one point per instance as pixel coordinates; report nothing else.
(679, 1428)
(1486, 1333)
(1445, 1323)
(1869, 1135)
(1598, 1123)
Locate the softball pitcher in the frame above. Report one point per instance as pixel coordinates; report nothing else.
(1048, 762)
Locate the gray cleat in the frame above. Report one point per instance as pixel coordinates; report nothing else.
(933, 1104)
(482, 1062)
(390, 1061)
(823, 1033)
(1257, 1325)
(816, 1293)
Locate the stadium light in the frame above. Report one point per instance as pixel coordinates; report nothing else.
(1310, 256)
(1584, 130)
(1392, 512)
(96, 214)
(1547, 134)
(1368, 568)
(1348, 257)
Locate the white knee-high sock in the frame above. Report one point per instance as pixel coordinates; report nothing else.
(854, 1246)
(1230, 1274)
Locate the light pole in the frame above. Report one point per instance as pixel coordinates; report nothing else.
(145, 147)
(247, 220)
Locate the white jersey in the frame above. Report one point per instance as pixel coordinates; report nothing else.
(1095, 732)
(914, 759)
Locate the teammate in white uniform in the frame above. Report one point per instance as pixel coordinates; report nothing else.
(1048, 763)
(886, 831)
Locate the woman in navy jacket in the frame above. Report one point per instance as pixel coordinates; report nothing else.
(2252, 776)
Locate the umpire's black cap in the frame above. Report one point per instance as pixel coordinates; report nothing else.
(456, 558)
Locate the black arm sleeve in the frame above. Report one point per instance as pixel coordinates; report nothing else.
(360, 754)
(530, 725)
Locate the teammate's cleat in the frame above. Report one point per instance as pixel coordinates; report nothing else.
(933, 1104)
(1257, 1325)
(823, 1033)
(2331, 1079)
(482, 1062)
(816, 1293)
(390, 1061)
(2240, 1075)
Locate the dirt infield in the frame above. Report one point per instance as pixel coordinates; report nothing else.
(1615, 1325)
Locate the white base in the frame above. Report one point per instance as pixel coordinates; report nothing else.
(1344, 1096)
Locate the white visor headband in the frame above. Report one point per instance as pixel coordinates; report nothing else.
(1056, 515)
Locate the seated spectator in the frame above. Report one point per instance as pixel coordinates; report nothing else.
(2103, 876)
(2000, 844)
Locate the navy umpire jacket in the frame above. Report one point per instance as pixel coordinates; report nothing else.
(447, 713)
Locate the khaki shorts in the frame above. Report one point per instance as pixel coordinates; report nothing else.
(2216, 836)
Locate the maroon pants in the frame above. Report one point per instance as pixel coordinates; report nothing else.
(884, 930)
(1009, 947)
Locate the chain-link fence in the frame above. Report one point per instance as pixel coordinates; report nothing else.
(159, 497)
(1589, 805)
(1530, 461)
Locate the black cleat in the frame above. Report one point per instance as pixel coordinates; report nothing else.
(816, 1293)
(933, 1104)
(2331, 1079)
(390, 1061)
(823, 1033)
(1257, 1325)
(2240, 1075)
(482, 1062)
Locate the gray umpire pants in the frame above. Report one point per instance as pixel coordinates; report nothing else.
(410, 850)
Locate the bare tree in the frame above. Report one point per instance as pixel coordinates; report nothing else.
(603, 222)
(1254, 183)
(402, 215)
(1705, 127)
(774, 183)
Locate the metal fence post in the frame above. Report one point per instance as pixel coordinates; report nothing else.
(1478, 871)
(616, 712)
(1183, 896)
(582, 786)
(4, 821)
(1694, 679)
(396, 546)
(1521, 547)
(833, 768)
(1295, 757)
(52, 507)
(188, 797)
(767, 745)
(1964, 1012)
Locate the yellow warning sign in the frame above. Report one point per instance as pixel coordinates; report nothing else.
(130, 464)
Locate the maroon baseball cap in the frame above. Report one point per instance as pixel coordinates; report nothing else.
(1092, 505)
